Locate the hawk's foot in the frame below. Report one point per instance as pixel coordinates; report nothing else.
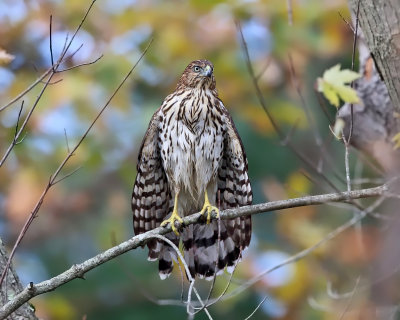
(208, 208)
(171, 220)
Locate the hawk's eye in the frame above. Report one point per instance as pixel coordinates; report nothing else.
(196, 69)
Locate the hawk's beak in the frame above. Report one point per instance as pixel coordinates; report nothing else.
(207, 72)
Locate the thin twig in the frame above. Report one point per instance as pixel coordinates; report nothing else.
(66, 176)
(258, 307)
(263, 69)
(51, 43)
(66, 140)
(81, 64)
(23, 93)
(350, 299)
(346, 162)
(52, 82)
(50, 75)
(353, 57)
(347, 23)
(15, 140)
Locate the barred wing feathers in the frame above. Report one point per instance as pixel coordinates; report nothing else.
(151, 197)
(235, 190)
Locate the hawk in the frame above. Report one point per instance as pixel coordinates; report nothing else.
(192, 159)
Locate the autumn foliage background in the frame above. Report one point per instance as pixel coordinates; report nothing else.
(90, 211)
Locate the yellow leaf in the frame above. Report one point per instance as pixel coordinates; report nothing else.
(5, 57)
(333, 85)
(328, 92)
(336, 76)
(347, 94)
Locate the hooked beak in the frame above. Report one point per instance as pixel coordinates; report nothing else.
(207, 72)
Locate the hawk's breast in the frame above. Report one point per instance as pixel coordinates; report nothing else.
(191, 140)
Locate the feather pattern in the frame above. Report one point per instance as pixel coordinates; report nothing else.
(192, 147)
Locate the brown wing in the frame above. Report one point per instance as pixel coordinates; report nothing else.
(151, 195)
(235, 191)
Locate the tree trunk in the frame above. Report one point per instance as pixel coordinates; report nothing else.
(380, 21)
(11, 286)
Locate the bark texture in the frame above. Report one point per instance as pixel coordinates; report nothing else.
(380, 21)
(10, 288)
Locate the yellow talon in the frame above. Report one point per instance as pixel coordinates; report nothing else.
(208, 208)
(174, 216)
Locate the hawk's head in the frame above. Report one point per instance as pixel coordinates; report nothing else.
(199, 73)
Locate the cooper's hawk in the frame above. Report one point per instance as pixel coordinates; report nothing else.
(192, 159)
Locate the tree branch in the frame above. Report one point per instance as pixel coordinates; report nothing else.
(78, 270)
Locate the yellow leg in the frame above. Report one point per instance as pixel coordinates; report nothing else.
(174, 216)
(208, 208)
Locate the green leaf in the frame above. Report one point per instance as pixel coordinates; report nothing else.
(333, 85)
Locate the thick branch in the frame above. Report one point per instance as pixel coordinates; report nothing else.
(380, 22)
(78, 270)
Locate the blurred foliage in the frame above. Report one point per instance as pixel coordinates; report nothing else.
(90, 210)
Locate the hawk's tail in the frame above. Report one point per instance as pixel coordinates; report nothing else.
(209, 248)
(164, 253)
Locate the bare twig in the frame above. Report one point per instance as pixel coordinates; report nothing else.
(346, 22)
(51, 43)
(23, 93)
(258, 307)
(52, 179)
(66, 140)
(81, 64)
(66, 176)
(78, 271)
(15, 140)
(350, 299)
(353, 57)
(52, 71)
(346, 162)
(263, 69)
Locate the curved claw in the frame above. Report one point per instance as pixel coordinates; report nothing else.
(171, 220)
(208, 208)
